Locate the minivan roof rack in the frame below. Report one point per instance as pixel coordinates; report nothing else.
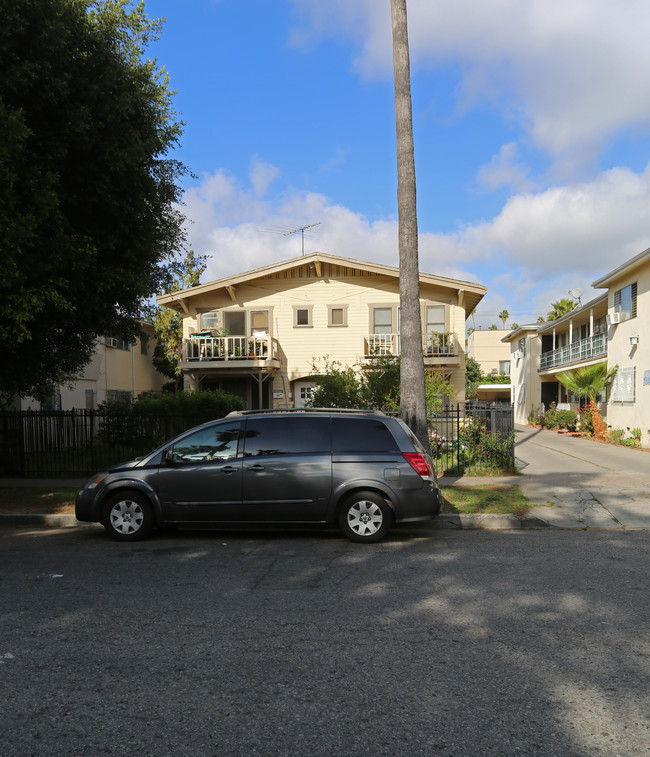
(269, 411)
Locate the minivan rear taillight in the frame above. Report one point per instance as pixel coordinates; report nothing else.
(419, 463)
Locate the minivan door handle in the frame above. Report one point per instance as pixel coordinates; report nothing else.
(228, 469)
(256, 468)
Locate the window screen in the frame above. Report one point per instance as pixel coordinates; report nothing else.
(361, 435)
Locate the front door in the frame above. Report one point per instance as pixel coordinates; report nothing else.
(202, 482)
(549, 393)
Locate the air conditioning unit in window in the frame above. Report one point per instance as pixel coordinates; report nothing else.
(111, 341)
(614, 318)
(517, 354)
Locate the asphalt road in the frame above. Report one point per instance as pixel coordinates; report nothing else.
(445, 643)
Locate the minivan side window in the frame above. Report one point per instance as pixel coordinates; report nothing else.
(361, 435)
(282, 436)
(218, 442)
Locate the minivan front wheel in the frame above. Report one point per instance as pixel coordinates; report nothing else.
(128, 517)
(365, 517)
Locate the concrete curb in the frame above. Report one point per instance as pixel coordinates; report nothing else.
(448, 521)
(485, 522)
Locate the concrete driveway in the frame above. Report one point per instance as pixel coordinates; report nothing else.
(583, 483)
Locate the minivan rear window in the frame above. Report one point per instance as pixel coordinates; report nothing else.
(361, 435)
(284, 436)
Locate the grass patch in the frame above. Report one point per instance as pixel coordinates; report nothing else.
(53, 500)
(496, 500)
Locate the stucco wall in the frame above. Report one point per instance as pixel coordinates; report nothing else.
(636, 414)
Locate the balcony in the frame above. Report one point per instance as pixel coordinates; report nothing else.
(443, 348)
(593, 346)
(231, 352)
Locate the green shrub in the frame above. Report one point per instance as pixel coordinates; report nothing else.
(617, 435)
(486, 449)
(152, 418)
(550, 418)
(567, 419)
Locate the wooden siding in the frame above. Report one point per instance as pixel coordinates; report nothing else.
(356, 289)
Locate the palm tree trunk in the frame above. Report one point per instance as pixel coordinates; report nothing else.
(600, 428)
(412, 396)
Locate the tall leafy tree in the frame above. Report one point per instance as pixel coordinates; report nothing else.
(88, 195)
(587, 382)
(559, 308)
(168, 324)
(412, 400)
(473, 376)
(504, 315)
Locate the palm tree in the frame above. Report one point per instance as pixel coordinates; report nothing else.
(560, 307)
(504, 315)
(588, 382)
(413, 408)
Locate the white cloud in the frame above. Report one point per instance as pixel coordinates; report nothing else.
(504, 171)
(538, 247)
(235, 226)
(588, 226)
(262, 175)
(572, 73)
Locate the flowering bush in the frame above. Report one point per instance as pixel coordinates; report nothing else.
(438, 442)
(586, 421)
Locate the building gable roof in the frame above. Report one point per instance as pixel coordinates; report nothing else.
(471, 294)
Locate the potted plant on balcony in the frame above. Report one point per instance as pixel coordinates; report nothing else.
(439, 342)
(221, 346)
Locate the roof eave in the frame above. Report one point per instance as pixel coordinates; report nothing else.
(622, 270)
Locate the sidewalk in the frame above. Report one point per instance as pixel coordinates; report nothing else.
(567, 503)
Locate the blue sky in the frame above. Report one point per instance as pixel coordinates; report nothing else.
(531, 126)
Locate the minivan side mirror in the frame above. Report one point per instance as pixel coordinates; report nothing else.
(168, 457)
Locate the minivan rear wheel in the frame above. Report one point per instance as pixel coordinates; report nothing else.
(365, 517)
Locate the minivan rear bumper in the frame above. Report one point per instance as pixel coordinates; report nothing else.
(419, 506)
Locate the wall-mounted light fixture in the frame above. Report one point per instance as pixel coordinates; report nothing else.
(634, 339)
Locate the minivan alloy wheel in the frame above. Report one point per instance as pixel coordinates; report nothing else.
(365, 517)
(128, 517)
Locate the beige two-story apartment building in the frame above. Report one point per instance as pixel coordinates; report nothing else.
(613, 328)
(118, 370)
(259, 333)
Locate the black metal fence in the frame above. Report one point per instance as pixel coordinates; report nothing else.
(81, 442)
(473, 438)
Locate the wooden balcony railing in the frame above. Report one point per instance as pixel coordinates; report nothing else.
(442, 345)
(201, 348)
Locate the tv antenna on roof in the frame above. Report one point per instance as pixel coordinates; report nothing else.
(287, 231)
(576, 294)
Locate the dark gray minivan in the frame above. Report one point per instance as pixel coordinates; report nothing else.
(362, 470)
